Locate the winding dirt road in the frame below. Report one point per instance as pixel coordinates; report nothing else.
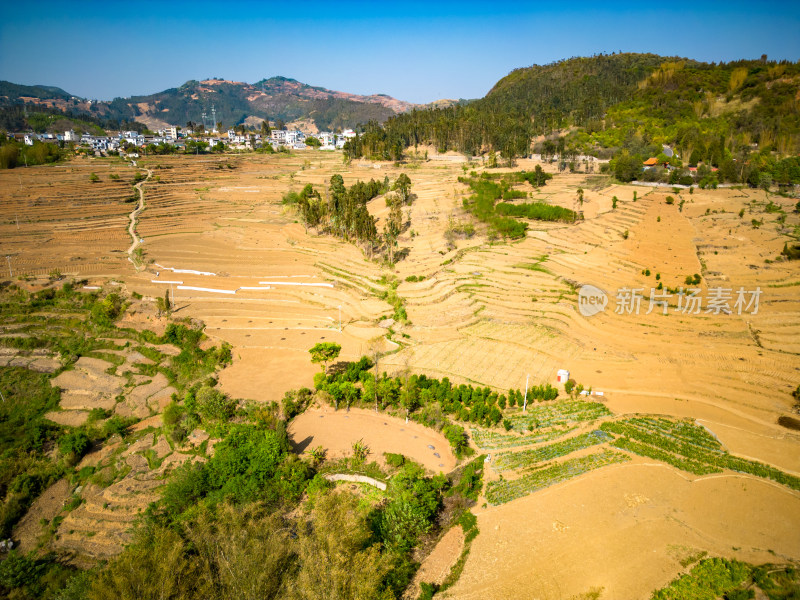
(134, 214)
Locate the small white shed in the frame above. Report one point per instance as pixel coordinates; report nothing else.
(562, 376)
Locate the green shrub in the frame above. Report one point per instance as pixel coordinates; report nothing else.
(394, 460)
(74, 444)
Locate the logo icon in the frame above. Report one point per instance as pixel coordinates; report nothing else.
(591, 300)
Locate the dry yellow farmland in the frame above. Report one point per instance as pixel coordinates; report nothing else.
(485, 312)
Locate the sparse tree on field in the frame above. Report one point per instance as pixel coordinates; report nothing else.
(325, 352)
(403, 187)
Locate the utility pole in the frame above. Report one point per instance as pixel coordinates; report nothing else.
(3, 397)
(525, 399)
(340, 318)
(10, 273)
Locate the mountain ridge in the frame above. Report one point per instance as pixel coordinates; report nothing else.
(276, 98)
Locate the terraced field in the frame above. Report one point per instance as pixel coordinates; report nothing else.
(55, 218)
(489, 313)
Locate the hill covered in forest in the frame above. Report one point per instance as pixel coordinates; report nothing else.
(607, 104)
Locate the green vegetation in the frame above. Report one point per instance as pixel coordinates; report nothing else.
(498, 216)
(345, 212)
(732, 580)
(14, 154)
(528, 458)
(25, 438)
(491, 440)
(70, 324)
(707, 581)
(536, 210)
(499, 492)
(686, 446)
(429, 401)
(560, 413)
(324, 352)
(627, 106)
(791, 252)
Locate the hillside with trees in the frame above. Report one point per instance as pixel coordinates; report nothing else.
(621, 105)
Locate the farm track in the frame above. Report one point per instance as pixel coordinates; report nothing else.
(136, 240)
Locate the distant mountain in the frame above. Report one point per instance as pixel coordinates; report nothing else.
(233, 103)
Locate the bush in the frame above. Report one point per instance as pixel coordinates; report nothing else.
(214, 405)
(457, 437)
(536, 210)
(117, 425)
(74, 444)
(394, 460)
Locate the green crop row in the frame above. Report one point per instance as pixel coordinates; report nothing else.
(499, 492)
(526, 458)
(682, 430)
(688, 452)
(490, 440)
(679, 462)
(574, 411)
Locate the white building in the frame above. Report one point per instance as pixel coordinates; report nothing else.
(562, 376)
(71, 136)
(326, 138)
(294, 137)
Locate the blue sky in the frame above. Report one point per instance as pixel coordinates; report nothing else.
(415, 51)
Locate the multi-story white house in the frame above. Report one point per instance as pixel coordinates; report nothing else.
(71, 136)
(294, 137)
(326, 138)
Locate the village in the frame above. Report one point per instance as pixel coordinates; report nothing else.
(176, 139)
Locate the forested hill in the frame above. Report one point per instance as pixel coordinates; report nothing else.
(276, 98)
(608, 103)
(575, 90)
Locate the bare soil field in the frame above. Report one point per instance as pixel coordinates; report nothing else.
(625, 530)
(55, 218)
(337, 430)
(487, 313)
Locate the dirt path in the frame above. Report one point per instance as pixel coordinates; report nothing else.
(132, 227)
